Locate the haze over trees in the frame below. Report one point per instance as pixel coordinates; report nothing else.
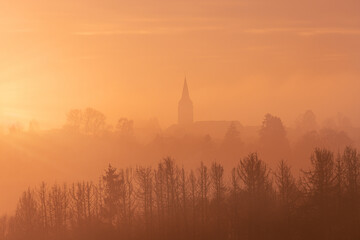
(88, 139)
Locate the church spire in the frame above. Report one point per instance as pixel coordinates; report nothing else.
(185, 107)
(185, 93)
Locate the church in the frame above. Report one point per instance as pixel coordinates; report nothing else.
(185, 107)
(186, 126)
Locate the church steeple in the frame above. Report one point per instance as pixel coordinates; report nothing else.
(185, 93)
(185, 107)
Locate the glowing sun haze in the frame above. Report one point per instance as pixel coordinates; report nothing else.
(128, 58)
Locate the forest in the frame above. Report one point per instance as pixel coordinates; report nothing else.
(167, 201)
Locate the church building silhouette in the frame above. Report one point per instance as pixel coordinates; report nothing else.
(185, 107)
(186, 126)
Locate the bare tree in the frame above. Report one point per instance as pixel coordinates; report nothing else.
(184, 198)
(4, 227)
(58, 204)
(82, 202)
(74, 120)
(256, 184)
(217, 182)
(219, 191)
(160, 196)
(254, 175)
(204, 185)
(27, 215)
(286, 185)
(351, 164)
(111, 195)
(320, 179)
(125, 127)
(144, 179)
(234, 205)
(93, 122)
(193, 198)
(43, 208)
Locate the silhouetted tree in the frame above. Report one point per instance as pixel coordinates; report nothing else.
(320, 178)
(4, 225)
(351, 176)
(144, 178)
(319, 184)
(111, 195)
(307, 122)
(254, 176)
(93, 121)
(74, 120)
(286, 185)
(193, 202)
(126, 201)
(58, 203)
(234, 203)
(27, 216)
(43, 207)
(232, 146)
(125, 127)
(351, 164)
(90, 122)
(288, 198)
(219, 191)
(204, 187)
(273, 141)
(184, 200)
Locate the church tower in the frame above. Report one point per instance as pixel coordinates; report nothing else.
(185, 107)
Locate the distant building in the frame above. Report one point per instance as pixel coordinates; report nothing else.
(215, 129)
(187, 126)
(185, 107)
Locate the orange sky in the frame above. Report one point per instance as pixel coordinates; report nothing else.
(128, 58)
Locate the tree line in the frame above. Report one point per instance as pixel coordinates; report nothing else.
(251, 201)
